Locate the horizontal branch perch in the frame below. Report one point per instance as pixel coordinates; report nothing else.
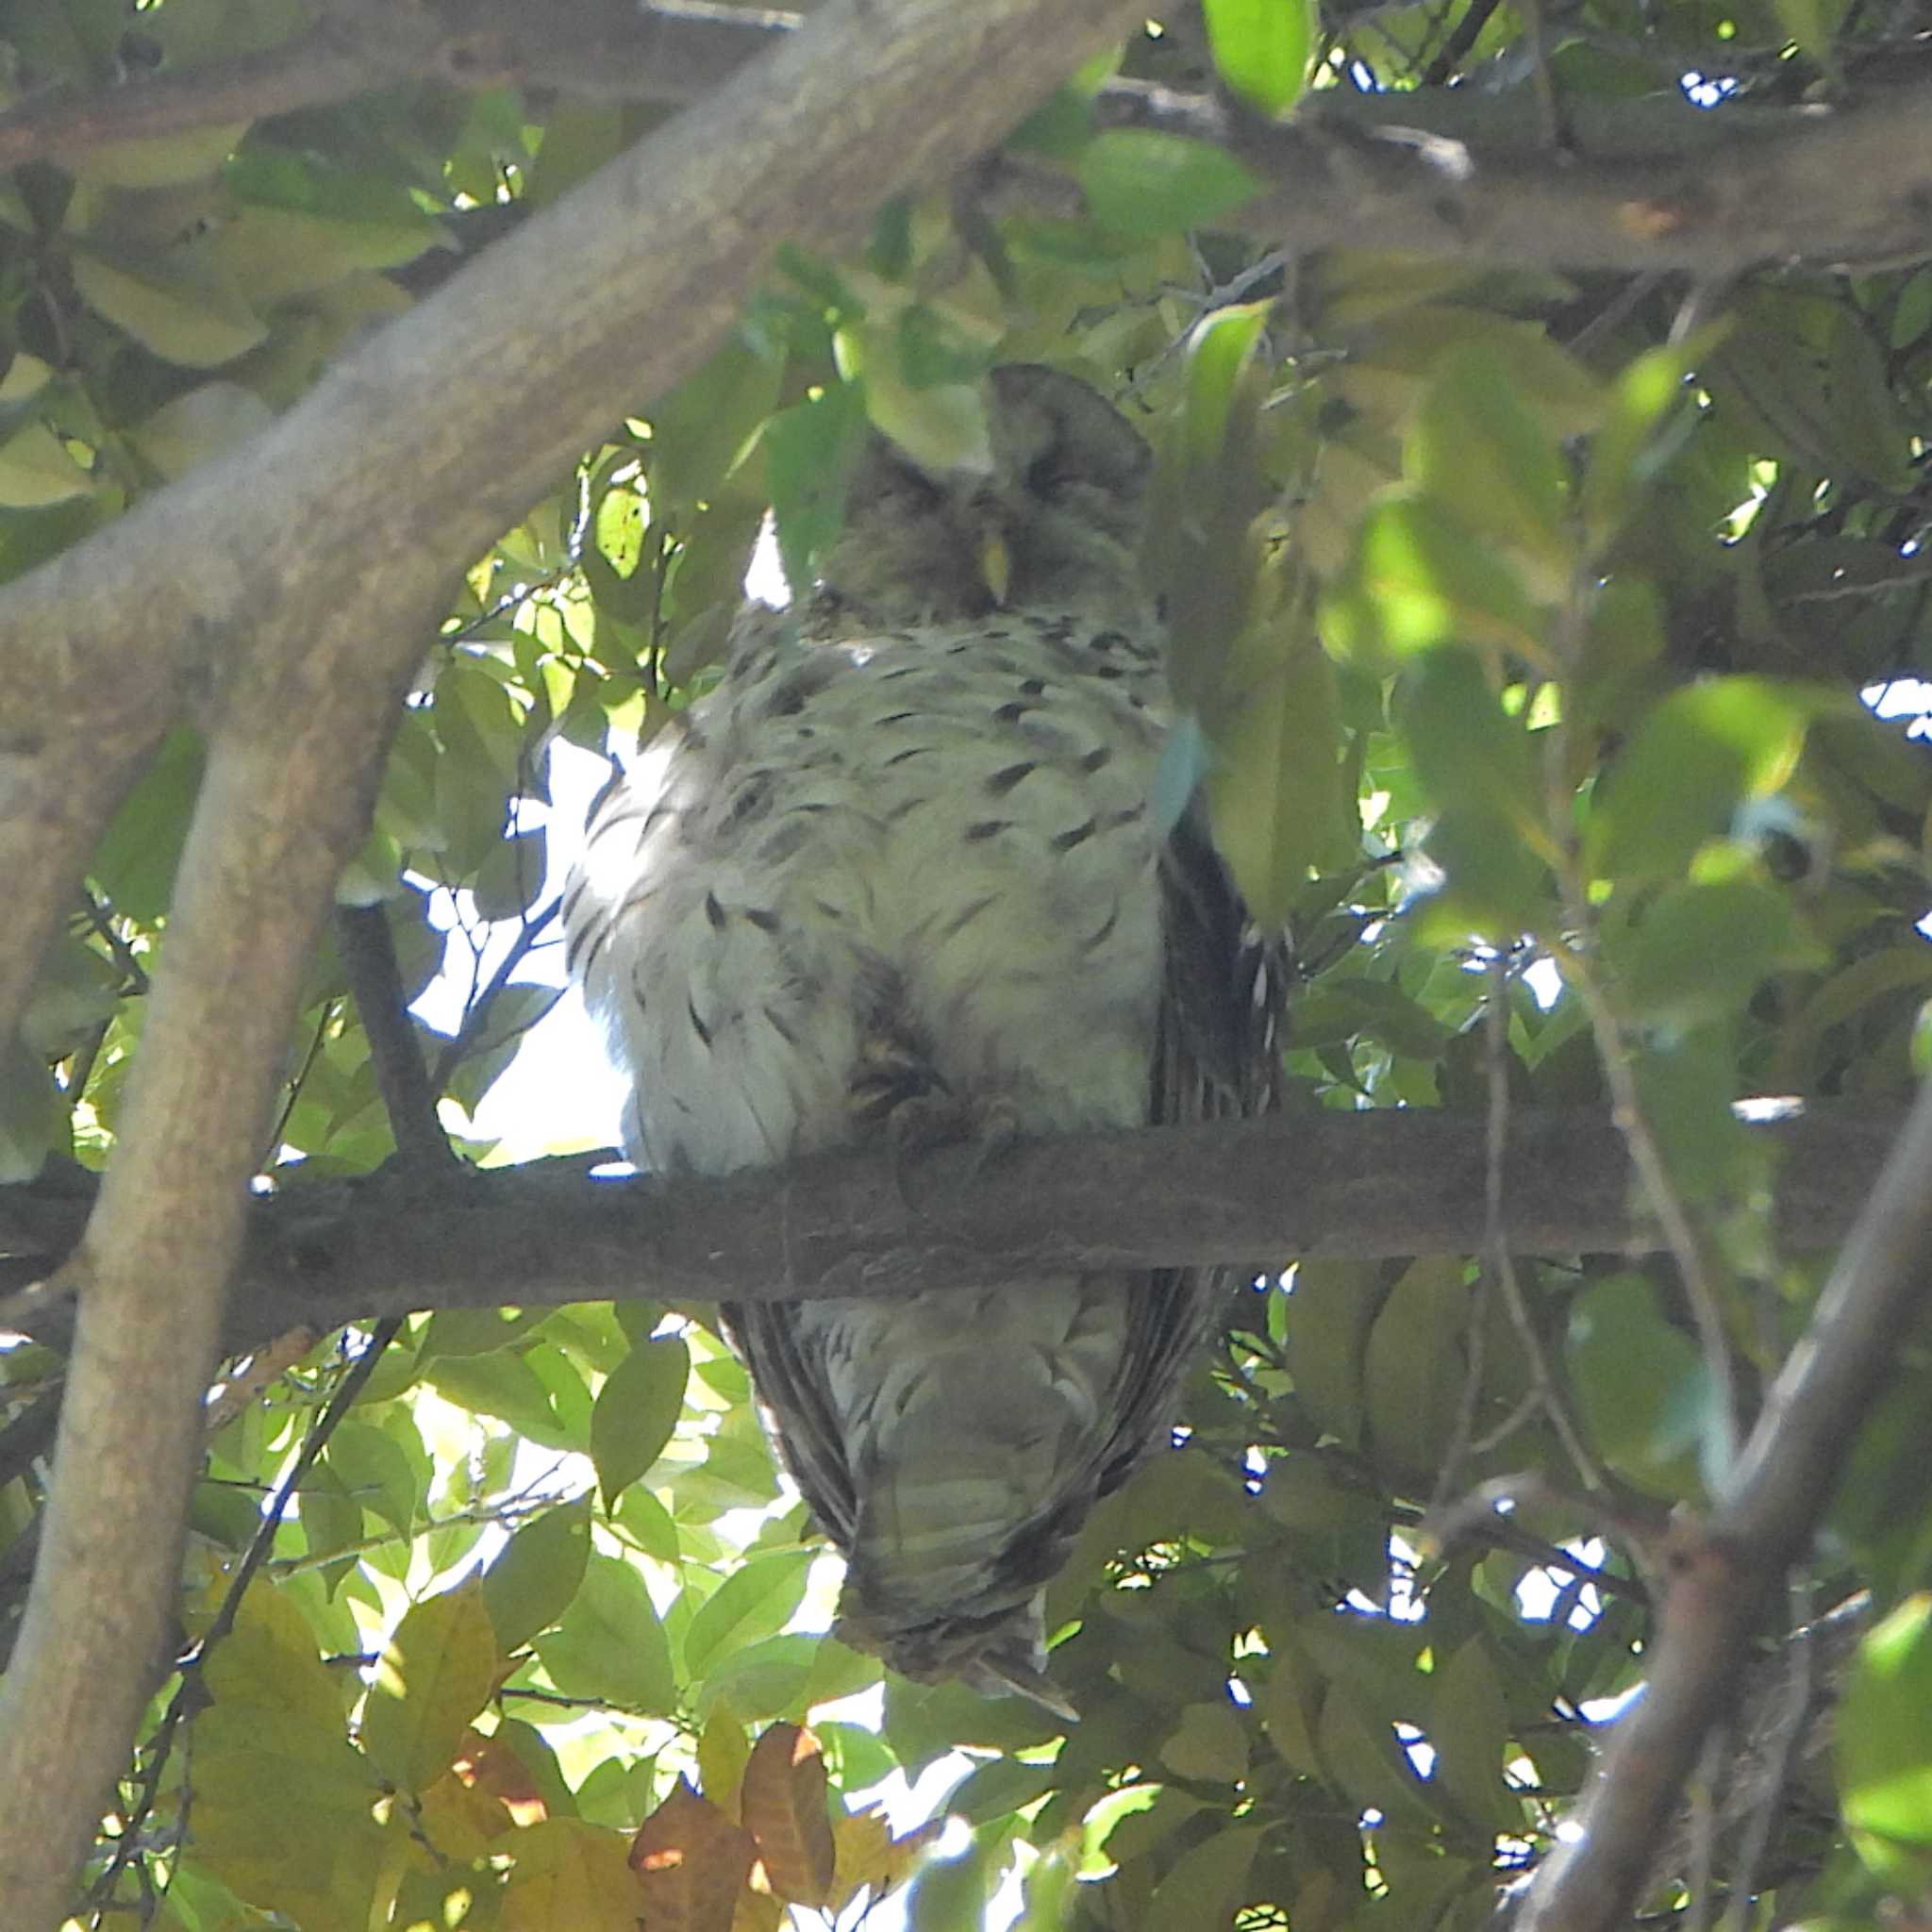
(1259, 1192)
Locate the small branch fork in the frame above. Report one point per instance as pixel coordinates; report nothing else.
(1721, 1576)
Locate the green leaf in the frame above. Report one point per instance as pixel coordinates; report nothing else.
(331, 1519)
(1479, 452)
(1883, 1735)
(36, 469)
(807, 448)
(1813, 25)
(1640, 1381)
(1221, 352)
(1330, 1309)
(162, 161)
(636, 1412)
(536, 1574)
(763, 1680)
(435, 1675)
(1278, 783)
(1469, 1725)
(610, 1645)
(1703, 949)
(1413, 1370)
(502, 1385)
(1415, 580)
(752, 1603)
(1361, 1755)
(375, 1470)
(136, 860)
(183, 316)
(941, 428)
(1206, 1884)
(1470, 754)
(1261, 48)
(706, 424)
(1628, 450)
(950, 1894)
(1871, 429)
(1911, 314)
(1141, 182)
(268, 255)
(1695, 760)
(1209, 1743)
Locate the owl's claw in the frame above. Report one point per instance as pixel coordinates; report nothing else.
(938, 1118)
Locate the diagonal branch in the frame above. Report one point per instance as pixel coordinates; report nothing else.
(1725, 1574)
(603, 49)
(378, 481)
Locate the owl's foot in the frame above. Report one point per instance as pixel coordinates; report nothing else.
(940, 1118)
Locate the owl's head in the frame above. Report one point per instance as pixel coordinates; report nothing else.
(1058, 517)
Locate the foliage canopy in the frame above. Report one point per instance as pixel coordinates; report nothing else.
(1530, 625)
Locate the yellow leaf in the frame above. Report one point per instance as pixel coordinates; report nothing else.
(570, 1874)
(436, 1674)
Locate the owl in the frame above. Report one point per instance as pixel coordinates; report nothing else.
(901, 875)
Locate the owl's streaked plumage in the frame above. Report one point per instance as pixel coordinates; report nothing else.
(902, 863)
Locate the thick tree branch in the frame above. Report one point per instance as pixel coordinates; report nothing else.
(1723, 1573)
(1654, 185)
(1330, 1185)
(603, 49)
(381, 481)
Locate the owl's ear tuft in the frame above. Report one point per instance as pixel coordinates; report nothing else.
(883, 476)
(1048, 423)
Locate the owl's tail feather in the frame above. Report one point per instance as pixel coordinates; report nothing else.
(1007, 1673)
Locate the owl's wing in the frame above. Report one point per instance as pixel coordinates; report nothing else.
(790, 1384)
(1217, 1053)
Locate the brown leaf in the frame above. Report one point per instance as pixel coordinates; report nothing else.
(488, 1764)
(757, 1912)
(691, 1861)
(782, 1801)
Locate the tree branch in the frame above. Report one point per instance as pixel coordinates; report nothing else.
(1261, 1193)
(380, 481)
(1723, 1573)
(601, 49)
(1654, 184)
(368, 950)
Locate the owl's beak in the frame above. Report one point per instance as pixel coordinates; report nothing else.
(995, 565)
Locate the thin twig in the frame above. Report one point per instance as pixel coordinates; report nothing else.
(1800, 1687)
(1615, 1056)
(187, 1692)
(330, 1010)
(125, 956)
(476, 1012)
(1495, 1144)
